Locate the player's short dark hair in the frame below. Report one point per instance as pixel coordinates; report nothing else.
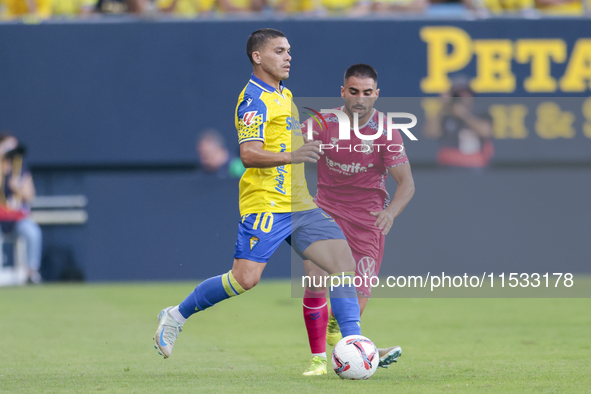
(259, 38)
(361, 70)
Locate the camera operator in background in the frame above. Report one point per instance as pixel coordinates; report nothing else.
(16, 192)
(464, 133)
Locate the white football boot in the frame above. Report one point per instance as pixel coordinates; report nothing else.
(167, 332)
(389, 356)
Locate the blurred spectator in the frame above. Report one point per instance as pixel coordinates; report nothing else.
(417, 6)
(240, 6)
(340, 6)
(16, 192)
(215, 158)
(26, 8)
(351, 7)
(186, 8)
(496, 7)
(381, 7)
(464, 134)
(122, 6)
(562, 7)
(317, 6)
(72, 8)
(295, 6)
(192, 8)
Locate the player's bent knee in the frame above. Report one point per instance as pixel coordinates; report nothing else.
(247, 280)
(249, 283)
(247, 273)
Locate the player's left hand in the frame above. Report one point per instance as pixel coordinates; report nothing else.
(384, 220)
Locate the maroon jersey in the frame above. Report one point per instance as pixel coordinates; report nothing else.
(352, 173)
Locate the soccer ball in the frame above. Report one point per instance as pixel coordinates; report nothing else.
(355, 357)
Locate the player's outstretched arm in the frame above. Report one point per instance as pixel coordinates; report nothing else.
(254, 156)
(404, 192)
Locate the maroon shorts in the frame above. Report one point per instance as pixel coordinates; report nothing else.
(367, 246)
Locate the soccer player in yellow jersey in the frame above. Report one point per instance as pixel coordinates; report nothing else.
(274, 200)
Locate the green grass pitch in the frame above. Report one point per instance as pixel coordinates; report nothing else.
(98, 338)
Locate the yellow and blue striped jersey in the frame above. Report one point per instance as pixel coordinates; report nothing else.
(268, 115)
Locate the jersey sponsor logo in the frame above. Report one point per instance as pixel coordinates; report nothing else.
(254, 241)
(366, 266)
(293, 123)
(248, 117)
(280, 178)
(346, 169)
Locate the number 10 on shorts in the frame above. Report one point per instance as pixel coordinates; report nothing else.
(266, 222)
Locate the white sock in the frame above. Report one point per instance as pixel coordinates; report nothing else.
(319, 354)
(176, 314)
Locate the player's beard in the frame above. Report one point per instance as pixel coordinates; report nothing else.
(359, 114)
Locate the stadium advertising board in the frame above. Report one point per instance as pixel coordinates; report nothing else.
(450, 49)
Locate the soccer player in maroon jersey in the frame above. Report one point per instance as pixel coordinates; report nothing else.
(351, 189)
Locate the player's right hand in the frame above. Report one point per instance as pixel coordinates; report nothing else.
(308, 153)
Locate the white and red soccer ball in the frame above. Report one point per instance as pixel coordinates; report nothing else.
(355, 357)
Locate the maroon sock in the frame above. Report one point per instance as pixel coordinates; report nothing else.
(316, 319)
